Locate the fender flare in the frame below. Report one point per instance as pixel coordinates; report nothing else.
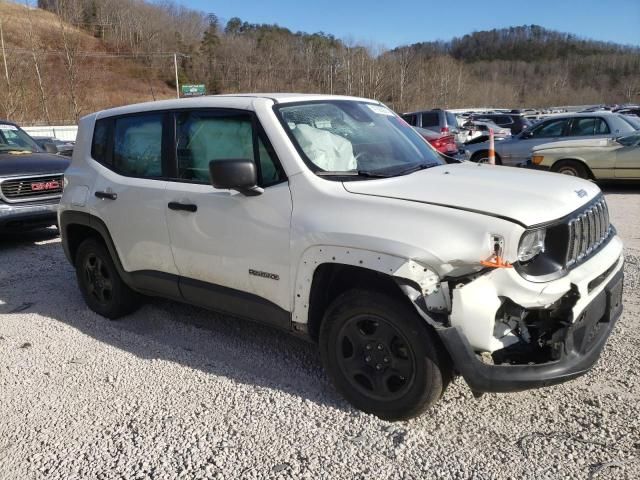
(70, 217)
(423, 279)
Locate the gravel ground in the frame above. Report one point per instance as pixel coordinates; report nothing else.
(177, 392)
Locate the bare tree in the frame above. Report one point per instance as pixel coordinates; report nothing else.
(35, 49)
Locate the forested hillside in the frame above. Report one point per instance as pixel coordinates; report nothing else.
(82, 55)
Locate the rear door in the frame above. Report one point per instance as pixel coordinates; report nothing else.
(128, 194)
(231, 250)
(582, 127)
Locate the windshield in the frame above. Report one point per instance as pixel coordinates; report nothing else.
(14, 139)
(355, 138)
(632, 120)
(632, 140)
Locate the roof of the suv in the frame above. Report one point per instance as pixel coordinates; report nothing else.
(236, 100)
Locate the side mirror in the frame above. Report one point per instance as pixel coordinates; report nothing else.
(526, 134)
(235, 174)
(50, 147)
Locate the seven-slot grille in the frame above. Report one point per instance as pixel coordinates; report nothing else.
(24, 189)
(587, 231)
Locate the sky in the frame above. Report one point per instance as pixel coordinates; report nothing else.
(392, 23)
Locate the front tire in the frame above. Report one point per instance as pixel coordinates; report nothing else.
(381, 356)
(572, 168)
(100, 284)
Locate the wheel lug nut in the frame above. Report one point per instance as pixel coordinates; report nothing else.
(367, 359)
(386, 359)
(380, 347)
(379, 367)
(368, 347)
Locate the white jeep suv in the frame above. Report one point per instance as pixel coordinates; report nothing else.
(331, 218)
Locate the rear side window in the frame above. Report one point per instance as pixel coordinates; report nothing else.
(430, 119)
(411, 119)
(582, 127)
(137, 149)
(99, 146)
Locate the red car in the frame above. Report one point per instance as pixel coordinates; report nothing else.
(443, 142)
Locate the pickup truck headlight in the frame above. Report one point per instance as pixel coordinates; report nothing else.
(531, 244)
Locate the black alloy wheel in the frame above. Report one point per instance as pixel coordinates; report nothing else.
(98, 279)
(381, 355)
(101, 286)
(376, 357)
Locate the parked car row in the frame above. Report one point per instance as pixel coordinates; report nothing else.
(343, 226)
(517, 150)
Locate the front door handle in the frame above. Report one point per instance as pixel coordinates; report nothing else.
(186, 207)
(106, 195)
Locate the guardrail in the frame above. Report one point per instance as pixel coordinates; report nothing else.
(61, 132)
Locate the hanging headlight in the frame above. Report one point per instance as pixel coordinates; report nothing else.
(531, 244)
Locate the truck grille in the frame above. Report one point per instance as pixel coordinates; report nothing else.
(26, 189)
(588, 229)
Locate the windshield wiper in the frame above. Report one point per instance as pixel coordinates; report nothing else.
(353, 173)
(415, 168)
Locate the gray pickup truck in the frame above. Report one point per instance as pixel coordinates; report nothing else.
(31, 181)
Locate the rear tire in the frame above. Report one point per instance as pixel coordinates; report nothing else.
(102, 288)
(572, 168)
(381, 356)
(483, 157)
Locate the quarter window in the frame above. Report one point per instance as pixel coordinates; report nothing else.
(137, 147)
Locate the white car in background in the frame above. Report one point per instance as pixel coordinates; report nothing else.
(331, 218)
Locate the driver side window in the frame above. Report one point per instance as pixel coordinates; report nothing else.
(202, 137)
(553, 128)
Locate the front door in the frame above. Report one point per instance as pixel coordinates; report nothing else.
(519, 148)
(231, 250)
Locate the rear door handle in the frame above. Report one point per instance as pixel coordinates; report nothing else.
(186, 207)
(106, 195)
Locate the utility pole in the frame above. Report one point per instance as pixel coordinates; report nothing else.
(175, 66)
(4, 55)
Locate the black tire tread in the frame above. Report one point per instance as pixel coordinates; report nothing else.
(436, 364)
(125, 300)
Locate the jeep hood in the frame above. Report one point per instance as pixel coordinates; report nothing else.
(585, 143)
(527, 197)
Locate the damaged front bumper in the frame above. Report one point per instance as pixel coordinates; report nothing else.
(505, 333)
(580, 349)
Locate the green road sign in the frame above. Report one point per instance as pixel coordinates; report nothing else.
(192, 90)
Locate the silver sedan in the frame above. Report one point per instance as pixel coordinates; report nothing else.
(517, 149)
